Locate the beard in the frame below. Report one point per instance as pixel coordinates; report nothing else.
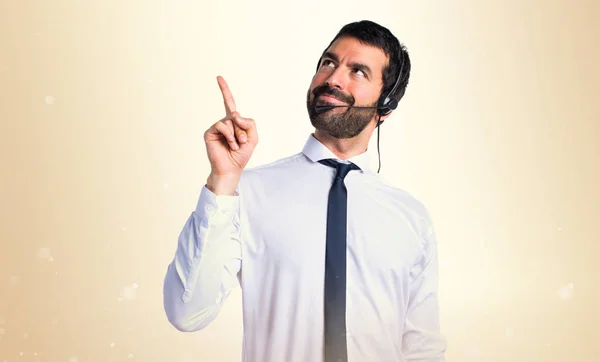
(339, 123)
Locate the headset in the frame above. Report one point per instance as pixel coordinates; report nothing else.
(386, 105)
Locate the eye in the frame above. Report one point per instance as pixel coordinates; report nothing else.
(326, 62)
(359, 72)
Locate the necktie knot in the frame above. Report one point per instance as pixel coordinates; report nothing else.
(342, 168)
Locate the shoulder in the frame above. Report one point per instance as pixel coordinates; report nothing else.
(282, 163)
(406, 198)
(398, 195)
(419, 217)
(279, 168)
(409, 206)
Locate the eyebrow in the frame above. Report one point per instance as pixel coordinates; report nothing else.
(365, 68)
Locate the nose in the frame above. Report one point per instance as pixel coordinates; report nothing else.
(336, 79)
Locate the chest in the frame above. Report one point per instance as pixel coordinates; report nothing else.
(288, 232)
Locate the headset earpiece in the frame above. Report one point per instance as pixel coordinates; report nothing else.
(388, 103)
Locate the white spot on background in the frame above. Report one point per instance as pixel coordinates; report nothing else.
(566, 292)
(128, 293)
(166, 186)
(112, 345)
(134, 285)
(124, 228)
(72, 359)
(2, 331)
(14, 280)
(49, 100)
(510, 332)
(44, 253)
(26, 335)
(130, 356)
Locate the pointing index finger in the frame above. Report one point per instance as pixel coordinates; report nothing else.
(227, 96)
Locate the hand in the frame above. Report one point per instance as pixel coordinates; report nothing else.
(229, 143)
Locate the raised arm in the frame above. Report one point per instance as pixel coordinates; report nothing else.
(207, 261)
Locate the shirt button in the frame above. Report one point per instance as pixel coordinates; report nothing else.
(210, 208)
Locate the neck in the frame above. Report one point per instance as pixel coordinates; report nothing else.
(347, 147)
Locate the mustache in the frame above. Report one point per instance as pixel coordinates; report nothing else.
(334, 92)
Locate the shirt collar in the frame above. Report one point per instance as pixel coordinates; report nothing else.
(315, 151)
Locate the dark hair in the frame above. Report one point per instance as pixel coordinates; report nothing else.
(373, 34)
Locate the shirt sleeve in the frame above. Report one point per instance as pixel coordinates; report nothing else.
(422, 340)
(206, 264)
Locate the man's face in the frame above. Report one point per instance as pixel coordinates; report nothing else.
(350, 73)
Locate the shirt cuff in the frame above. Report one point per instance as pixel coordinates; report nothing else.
(209, 203)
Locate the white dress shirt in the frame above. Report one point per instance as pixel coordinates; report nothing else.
(270, 239)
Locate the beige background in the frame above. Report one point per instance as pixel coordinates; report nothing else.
(103, 105)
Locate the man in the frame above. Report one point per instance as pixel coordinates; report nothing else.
(334, 264)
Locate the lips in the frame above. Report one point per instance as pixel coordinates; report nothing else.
(329, 99)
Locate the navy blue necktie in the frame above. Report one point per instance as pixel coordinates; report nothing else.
(335, 265)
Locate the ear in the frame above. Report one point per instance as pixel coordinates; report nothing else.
(382, 118)
(386, 116)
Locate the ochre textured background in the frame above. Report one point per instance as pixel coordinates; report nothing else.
(103, 105)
